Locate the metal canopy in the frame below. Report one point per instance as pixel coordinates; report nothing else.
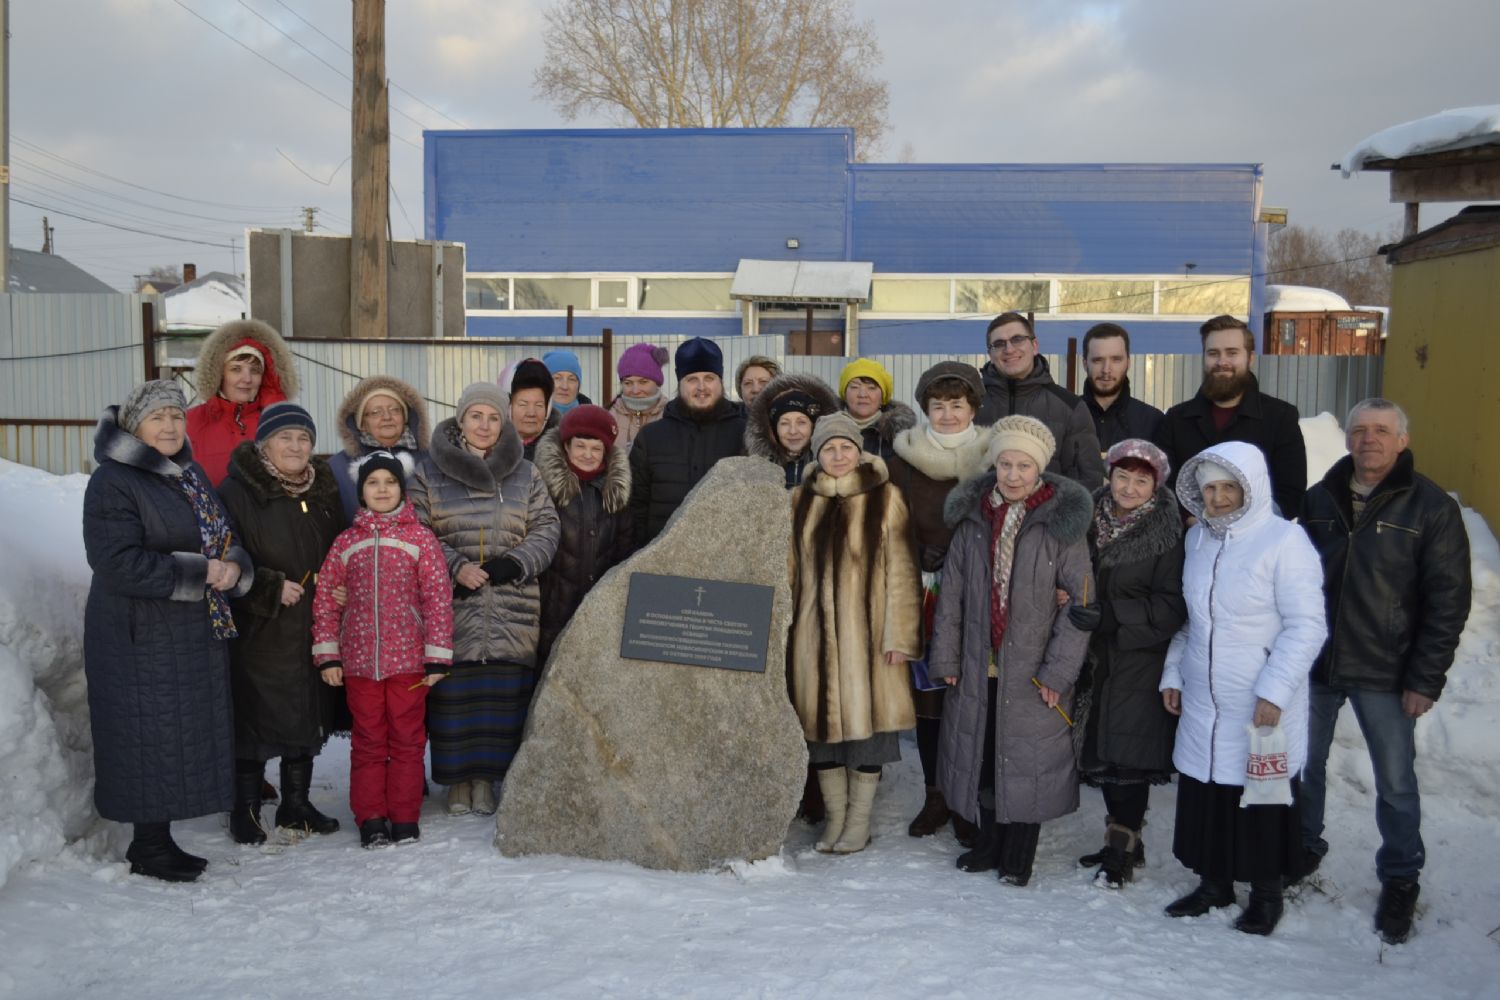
(802, 281)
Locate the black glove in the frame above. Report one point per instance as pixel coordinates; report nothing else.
(503, 569)
(461, 592)
(1085, 619)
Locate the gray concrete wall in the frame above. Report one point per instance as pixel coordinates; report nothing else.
(320, 286)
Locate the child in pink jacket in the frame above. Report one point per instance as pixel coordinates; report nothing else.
(388, 642)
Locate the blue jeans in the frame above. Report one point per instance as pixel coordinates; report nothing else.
(1391, 738)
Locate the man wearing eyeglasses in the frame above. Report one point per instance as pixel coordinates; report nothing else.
(1017, 380)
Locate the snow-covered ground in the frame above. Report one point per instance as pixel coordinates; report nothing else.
(449, 916)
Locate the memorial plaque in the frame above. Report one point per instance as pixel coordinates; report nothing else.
(704, 623)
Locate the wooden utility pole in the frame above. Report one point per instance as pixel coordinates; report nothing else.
(369, 314)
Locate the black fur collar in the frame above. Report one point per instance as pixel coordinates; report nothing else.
(1157, 534)
(562, 482)
(1067, 515)
(245, 465)
(894, 418)
(477, 473)
(114, 443)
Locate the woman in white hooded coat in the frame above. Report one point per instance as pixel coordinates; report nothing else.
(1254, 590)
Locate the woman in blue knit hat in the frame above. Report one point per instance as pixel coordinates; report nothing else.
(285, 502)
(567, 381)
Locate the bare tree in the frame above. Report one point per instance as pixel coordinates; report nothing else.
(1347, 262)
(715, 63)
(161, 273)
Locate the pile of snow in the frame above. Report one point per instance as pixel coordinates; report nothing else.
(204, 304)
(46, 767)
(1303, 298)
(1457, 128)
(1325, 444)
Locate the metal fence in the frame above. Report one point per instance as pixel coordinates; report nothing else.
(63, 358)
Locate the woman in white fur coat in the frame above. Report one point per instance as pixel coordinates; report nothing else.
(1254, 590)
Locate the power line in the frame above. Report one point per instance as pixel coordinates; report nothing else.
(281, 69)
(394, 86)
(277, 28)
(129, 229)
(119, 197)
(139, 187)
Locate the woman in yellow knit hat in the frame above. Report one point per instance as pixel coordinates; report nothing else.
(866, 390)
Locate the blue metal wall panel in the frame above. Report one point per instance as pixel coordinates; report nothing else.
(637, 199)
(1089, 218)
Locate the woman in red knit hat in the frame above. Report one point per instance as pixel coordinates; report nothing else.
(588, 476)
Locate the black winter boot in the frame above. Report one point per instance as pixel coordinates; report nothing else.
(183, 857)
(985, 856)
(1398, 904)
(375, 833)
(1018, 851)
(295, 811)
(244, 820)
(1211, 894)
(1117, 868)
(1263, 912)
(401, 832)
(1137, 855)
(150, 854)
(932, 818)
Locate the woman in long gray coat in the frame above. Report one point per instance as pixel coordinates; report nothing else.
(498, 528)
(1008, 652)
(156, 629)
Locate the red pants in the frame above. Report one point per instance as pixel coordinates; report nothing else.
(385, 759)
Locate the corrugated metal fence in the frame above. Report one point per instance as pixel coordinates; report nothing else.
(64, 358)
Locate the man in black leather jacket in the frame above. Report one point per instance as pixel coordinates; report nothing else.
(1396, 578)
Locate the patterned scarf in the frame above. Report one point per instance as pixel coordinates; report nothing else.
(296, 485)
(1005, 524)
(1110, 522)
(213, 527)
(408, 440)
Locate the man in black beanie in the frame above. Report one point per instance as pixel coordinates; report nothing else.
(697, 429)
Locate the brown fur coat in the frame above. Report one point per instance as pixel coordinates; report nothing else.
(856, 595)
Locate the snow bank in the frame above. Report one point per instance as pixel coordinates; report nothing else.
(1452, 129)
(1303, 298)
(46, 767)
(1325, 444)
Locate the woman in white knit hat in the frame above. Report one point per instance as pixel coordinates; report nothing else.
(1009, 653)
(857, 606)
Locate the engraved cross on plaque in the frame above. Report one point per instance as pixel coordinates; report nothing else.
(700, 592)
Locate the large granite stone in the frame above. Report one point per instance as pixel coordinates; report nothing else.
(664, 765)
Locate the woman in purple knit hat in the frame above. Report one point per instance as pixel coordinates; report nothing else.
(641, 400)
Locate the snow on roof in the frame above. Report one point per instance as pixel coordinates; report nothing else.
(806, 280)
(1301, 298)
(215, 298)
(1457, 128)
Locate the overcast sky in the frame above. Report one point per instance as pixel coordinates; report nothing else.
(145, 92)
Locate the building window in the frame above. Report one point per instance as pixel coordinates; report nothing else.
(910, 295)
(554, 293)
(685, 295)
(1205, 297)
(487, 293)
(614, 294)
(986, 296)
(1105, 296)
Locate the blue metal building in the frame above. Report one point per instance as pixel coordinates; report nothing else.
(643, 231)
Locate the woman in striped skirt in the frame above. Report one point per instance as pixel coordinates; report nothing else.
(498, 528)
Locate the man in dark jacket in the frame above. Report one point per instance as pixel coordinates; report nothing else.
(1017, 380)
(1396, 577)
(1118, 416)
(1231, 407)
(696, 429)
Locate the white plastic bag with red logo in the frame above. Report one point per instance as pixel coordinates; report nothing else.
(1268, 778)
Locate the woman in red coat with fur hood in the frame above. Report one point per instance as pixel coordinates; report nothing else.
(243, 367)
